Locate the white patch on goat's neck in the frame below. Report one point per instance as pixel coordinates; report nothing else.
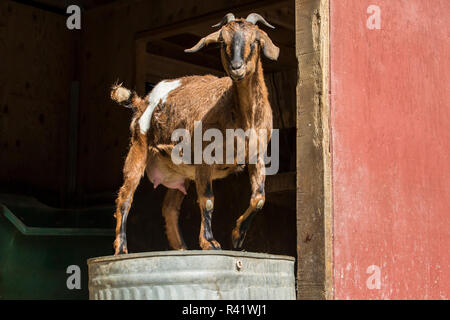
(159, 93)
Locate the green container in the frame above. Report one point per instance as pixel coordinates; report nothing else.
(38, 244)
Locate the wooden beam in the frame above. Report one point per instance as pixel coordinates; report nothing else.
(44, 5)
(314, 212)
(174, 51)
(190, 25)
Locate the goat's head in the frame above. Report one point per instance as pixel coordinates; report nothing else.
(241, 41)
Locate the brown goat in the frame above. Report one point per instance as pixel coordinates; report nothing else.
(239, 101)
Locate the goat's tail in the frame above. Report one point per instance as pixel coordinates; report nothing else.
(125, 97)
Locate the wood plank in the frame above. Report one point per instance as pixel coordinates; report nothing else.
(37, 55)
(313, 159)
(173, 51)
(190, 25)
(281, 182)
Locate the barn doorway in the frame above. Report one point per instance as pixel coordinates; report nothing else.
(159, 55)
(84, 136)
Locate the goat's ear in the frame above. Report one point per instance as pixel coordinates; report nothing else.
(211, 38)
(270, 50)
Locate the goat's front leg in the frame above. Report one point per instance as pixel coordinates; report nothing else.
(205, 196)
(257, 180)
(133, 171)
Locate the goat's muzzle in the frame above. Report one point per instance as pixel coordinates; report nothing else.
(237, 74)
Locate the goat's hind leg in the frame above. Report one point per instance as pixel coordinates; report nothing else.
(171, 212)
(257, 181)
(133, 171)
(203, 182)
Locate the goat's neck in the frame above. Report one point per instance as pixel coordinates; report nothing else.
(251, 96)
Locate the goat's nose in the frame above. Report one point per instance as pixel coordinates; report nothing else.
(236, 64)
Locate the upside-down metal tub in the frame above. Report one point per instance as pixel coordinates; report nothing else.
(196, 274)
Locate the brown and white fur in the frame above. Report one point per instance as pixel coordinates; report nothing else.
(237, 101)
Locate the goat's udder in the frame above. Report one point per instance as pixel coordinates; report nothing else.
(157, 177)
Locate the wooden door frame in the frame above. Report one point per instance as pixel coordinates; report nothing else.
(314, 188)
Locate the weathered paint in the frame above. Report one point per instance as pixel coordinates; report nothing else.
(390, 115)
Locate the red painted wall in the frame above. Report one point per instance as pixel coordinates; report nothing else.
(390, 119)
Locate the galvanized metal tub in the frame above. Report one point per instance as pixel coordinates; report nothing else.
(193, 275)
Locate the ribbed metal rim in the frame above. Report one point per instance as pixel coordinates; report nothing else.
(227, 253)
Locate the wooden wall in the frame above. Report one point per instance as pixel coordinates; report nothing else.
(36, 54)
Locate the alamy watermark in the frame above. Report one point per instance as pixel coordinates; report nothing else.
(73, 22)
(237, 147)
(374, 280)
(74, 280)
(374, 20)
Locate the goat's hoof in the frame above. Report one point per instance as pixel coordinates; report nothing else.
(211, 245)
(237, 239)
(214, 245)
(121, 249)
(237, 243)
